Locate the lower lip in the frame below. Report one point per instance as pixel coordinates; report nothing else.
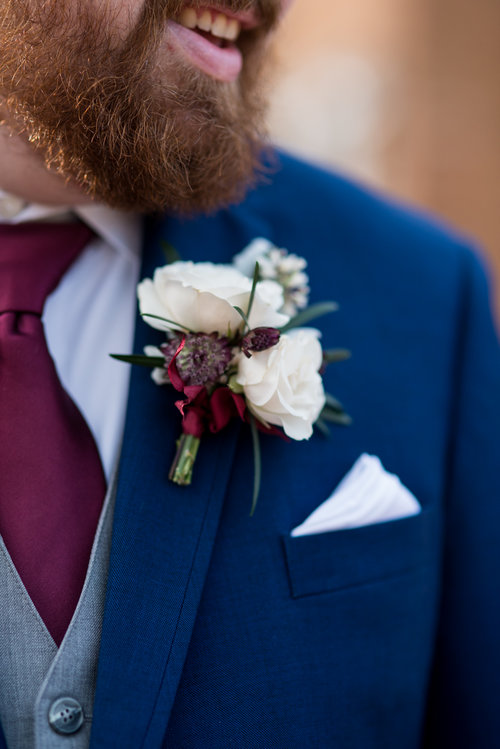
(224, 64)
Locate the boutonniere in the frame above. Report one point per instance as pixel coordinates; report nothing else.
(236, 346)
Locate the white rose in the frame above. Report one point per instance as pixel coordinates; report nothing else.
(201, 297)
(282, 385)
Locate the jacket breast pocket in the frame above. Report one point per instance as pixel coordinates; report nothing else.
(336, 560)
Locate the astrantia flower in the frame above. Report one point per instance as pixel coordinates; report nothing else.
(202, 360)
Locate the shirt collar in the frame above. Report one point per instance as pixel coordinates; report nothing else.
(122, 231)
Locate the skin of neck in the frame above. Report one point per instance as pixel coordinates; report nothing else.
(24, 174)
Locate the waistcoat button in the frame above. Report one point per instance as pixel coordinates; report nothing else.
(66, 715)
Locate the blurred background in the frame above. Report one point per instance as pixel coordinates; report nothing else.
(403, 95)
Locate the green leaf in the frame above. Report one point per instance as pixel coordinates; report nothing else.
(142, 361)
(165, 319)
(257, 463)
(243, 316)
(171, 254)
(311, 313)
(256, 275)
(334, 417)
(334, 404)
(335, 355)
(322, 427)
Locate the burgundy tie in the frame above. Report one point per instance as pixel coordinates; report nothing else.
(52, 484)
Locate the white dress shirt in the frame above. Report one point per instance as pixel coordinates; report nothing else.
(91, 314)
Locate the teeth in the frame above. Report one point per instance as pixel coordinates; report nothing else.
(217, 24)
(205, 21)
(189, 18)
(232, 29)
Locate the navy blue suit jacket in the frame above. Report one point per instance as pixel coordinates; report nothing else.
(221, 630)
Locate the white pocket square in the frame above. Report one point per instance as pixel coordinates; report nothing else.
(368, 494)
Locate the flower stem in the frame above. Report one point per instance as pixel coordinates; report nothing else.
(181, 471)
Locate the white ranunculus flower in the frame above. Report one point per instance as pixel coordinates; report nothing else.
(202, 297)
(282, 385)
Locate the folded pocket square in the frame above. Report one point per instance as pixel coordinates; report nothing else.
(367, 494)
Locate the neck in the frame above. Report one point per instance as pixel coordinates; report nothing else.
(23, 174)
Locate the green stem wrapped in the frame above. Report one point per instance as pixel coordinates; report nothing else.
(181, 471)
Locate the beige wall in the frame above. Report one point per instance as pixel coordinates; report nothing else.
(404, 94)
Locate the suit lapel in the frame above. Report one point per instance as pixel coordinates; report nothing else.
(162, 542)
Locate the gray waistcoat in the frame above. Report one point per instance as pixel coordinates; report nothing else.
(33, 672)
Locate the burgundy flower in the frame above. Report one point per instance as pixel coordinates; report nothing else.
(259, 339)
(203, 359)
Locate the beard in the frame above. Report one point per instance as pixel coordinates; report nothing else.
(135, 128)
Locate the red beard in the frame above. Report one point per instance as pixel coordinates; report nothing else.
(136, 131)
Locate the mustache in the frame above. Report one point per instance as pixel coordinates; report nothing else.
(145, 37)
(262, 7)
(160, 11)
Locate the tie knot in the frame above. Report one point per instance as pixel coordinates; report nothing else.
(33, 259)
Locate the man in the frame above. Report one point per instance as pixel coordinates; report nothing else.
(194, 625)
